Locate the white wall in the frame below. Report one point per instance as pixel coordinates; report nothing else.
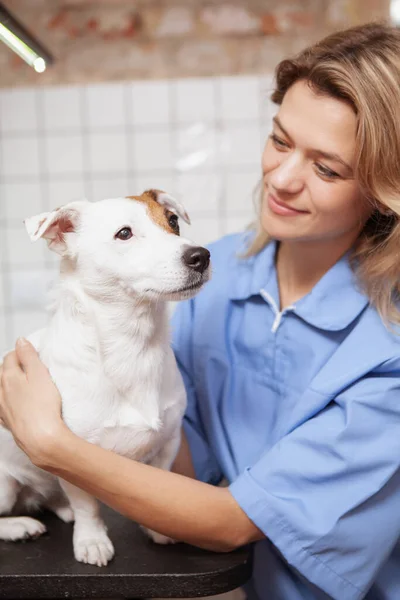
(200, 139)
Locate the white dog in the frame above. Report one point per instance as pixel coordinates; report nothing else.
(107, 348)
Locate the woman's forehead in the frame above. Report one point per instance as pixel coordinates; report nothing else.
(318, 121)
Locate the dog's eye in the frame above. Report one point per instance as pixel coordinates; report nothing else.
(124, 234)
(173, 222)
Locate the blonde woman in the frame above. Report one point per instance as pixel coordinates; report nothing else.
(290, 356)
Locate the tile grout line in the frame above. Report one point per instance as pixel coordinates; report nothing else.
(44, 180)
(129, 109)
(222, 167)
(147, 128)
(5, 274)
(173, 134)
(74, 175)
(84, 131)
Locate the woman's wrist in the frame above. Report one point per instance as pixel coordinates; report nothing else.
(46, 450)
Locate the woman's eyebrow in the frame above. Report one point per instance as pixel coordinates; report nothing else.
(328, 155)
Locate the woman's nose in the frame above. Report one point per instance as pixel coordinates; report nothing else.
(287, 176)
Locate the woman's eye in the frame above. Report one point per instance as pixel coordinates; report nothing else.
(124, 234)
(278, 142)
(325, 172)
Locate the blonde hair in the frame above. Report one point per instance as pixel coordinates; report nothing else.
(361, 66)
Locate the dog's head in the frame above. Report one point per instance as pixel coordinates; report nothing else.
(131, 243)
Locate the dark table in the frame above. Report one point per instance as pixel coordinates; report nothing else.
(46, 568)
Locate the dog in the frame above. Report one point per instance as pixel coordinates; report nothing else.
(107, 349)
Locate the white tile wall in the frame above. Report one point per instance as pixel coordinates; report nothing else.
(20, 157)
(242, 144)
(198, 147)
(59, 191)
(107, 152)
(201, 193)
(2, 295)
(18, 111)
(197, 138)
(61, 109)
(63, 154)
(152, 150)
(149, 103)
(110, 187)
(240, 98)
(194, 100)
(105, 106)
(20, 200)
(21, 252)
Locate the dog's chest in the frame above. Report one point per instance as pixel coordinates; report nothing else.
(132, 433)
(133, 411)
(134, 424)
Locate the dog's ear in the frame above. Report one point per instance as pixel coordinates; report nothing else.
(170, 203)
(54, 226)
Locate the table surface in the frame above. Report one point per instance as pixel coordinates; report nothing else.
(46, 568)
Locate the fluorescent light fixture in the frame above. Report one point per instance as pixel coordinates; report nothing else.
(39, 64)
(395, 12)
(16, 37)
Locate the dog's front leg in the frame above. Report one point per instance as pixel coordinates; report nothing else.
(164, 460)
(166, 456)
(90, 540)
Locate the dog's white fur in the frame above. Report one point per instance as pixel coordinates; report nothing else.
(107, 348)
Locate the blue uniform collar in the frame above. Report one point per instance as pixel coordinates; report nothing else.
(332, 304)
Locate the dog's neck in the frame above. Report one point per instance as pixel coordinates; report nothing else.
(125, 335)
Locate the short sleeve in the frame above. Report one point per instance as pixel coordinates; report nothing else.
(204, 461)
(328, 494)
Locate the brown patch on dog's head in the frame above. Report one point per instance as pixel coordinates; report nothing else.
(159, 214)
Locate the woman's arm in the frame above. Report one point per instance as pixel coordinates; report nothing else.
(174, 505)
(177, 506)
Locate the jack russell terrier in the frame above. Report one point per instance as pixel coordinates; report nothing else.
(107, 348)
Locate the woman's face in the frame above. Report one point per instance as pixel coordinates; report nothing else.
(310, 193)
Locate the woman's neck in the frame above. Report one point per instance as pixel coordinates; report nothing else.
(300, 265)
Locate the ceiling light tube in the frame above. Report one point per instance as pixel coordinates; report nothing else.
(16, 37)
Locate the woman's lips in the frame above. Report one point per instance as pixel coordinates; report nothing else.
(281, 208)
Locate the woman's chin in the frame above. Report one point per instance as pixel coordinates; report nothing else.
(278, 229)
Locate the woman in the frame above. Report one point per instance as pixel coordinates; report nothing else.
(289, 355)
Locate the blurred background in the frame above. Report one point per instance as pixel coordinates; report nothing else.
(134, 94)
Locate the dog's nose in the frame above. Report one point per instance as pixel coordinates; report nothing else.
(197, 258)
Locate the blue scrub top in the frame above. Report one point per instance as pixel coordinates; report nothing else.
(300, 411)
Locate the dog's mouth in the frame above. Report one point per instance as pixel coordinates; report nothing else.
(186, 291)
(189, 288)
(193, 284)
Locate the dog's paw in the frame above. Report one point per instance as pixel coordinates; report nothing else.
(97, 550)
(159, 538)
(15, 529)
(65, 513)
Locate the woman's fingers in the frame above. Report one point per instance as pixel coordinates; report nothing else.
(12, 380)
(29, 359)
(10, 364)
(2, 406)
(30, 404)
(1, 397)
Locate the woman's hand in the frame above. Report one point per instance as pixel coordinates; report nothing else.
(30, 404)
